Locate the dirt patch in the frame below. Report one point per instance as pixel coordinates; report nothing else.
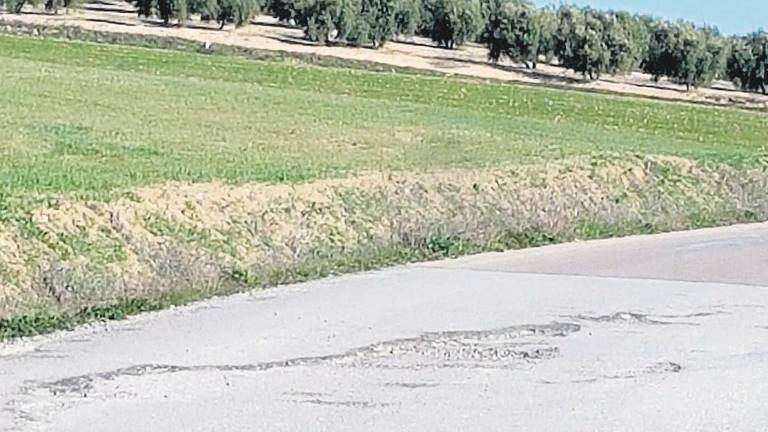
(266, 34)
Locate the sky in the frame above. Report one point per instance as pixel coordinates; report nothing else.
(731, 16)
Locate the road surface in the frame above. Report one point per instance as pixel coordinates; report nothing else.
(659, 333)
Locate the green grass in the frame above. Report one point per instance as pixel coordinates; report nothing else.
(87, 118)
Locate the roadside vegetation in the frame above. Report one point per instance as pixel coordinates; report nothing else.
(133, 179)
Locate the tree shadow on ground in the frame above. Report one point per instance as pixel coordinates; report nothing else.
(109, 21)
(298, 40)
(293, 40)
(279, 24)
(109, 9)
(421, 44)
(520, 69)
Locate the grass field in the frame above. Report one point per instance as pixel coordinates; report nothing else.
(93, 139)
(77, 117)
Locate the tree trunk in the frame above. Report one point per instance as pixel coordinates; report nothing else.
(762, 87)
(221, 25)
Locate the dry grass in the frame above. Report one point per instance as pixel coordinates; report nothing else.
(208, 236)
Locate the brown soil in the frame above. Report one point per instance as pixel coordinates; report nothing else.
(266, 34)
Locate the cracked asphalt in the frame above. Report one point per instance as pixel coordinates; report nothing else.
(662, 333)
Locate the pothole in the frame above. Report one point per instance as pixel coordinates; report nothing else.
(630, 318)
(505, 348)
(469, 349)
(483, 348)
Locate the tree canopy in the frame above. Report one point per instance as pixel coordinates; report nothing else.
(407, 17)
(515, 29)
(366, 22)
(238, 12)
(685, 54)
(595, 43)
(748, 62)
(451, 23)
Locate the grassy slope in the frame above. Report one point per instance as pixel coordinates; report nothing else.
(91, 118)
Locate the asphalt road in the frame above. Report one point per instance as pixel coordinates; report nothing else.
(660, 333)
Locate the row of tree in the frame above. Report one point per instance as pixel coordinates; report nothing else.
(238, 12)
(585, 40)
(595, 43)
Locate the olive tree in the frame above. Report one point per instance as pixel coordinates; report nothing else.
(358, 22)
(703, 55)
(661, 57)
(407, 16)
(596, 43)
(320, 19)
(365, 22)
(685, 54)
(548, 22)
(237, 12)
(748, 62)
(451, 23)
(579, 42)
(514, 29)
(166, 10)
(627, 38)
(284, 10)
(16, 6)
